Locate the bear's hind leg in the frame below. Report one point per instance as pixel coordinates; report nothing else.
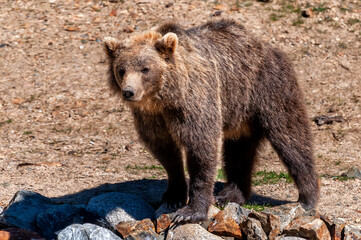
(293, 143)
(239, 158)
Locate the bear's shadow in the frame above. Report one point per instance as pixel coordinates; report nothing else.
(151, 191)
(30, 210)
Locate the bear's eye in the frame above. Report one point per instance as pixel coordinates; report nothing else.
(121, 72)
(145, 70)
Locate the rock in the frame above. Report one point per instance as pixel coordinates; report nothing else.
(24, 208)
(312, 212)
(162, 223)
(308, 227)
(213, 211)
(57, 218)
(224, 225)
(286, 212)
(236, 212)
(135, 228)
(352, 232)
(128, 29)
(124, 228)
(217, 13)
(190, 232)
(206, 223)
(116, 207)
(86, 231)
(320, 120)
(18, 233)
(253, 229)
(142, 235)
(354, 172)
(283, 237)
(270, 223)
(335, 227)
(307, 13)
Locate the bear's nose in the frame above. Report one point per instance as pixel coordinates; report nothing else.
(128, 92)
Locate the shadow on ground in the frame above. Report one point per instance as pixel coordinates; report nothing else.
(149, 190)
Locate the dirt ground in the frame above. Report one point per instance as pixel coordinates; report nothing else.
(61, 131)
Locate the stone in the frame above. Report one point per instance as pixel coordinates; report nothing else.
(338, 226)
(144, 228)
(18, 233)
(335, 227)
(224, 225)
(142, 235)
(307, 13)
(352, 232)
(236, 212)
(308, 227)
(116, 207)
(286, 212)
(57, 218)
(205, 224)
(124, 228)
(86, 231)
(270, 223)
(312, 212)
(354, 172)
(283, 237)
(213, 211)
(162, 223)
(136, 228)
(253, 229)
(190, 232)
(24, 208)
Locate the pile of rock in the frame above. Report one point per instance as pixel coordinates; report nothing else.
(116, 215)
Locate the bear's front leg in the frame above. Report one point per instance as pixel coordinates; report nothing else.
(202, 146)
(154, 134)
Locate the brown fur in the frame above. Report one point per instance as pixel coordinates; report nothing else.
(208, 87)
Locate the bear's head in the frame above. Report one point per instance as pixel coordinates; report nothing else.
(136, 68)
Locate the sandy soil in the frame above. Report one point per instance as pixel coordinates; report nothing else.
(62, 132)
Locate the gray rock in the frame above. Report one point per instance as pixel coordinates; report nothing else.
(24, 208)
(213, 211)
(354, 172)
(190, 232)
(236, 212)
(270, 223)
(86, 232)
(253, 229)
(352, 232)
(286, 212)
(283, 237)
(118, 207)
(58, 217)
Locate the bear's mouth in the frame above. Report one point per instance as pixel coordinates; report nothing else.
(132, 99)
(135, 98)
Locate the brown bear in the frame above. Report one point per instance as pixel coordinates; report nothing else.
(210, 92)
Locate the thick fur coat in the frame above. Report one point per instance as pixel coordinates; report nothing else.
(213, 92)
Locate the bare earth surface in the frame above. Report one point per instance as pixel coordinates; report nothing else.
(62, 132)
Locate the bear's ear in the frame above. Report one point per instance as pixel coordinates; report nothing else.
(167, 44)
(111, 45)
